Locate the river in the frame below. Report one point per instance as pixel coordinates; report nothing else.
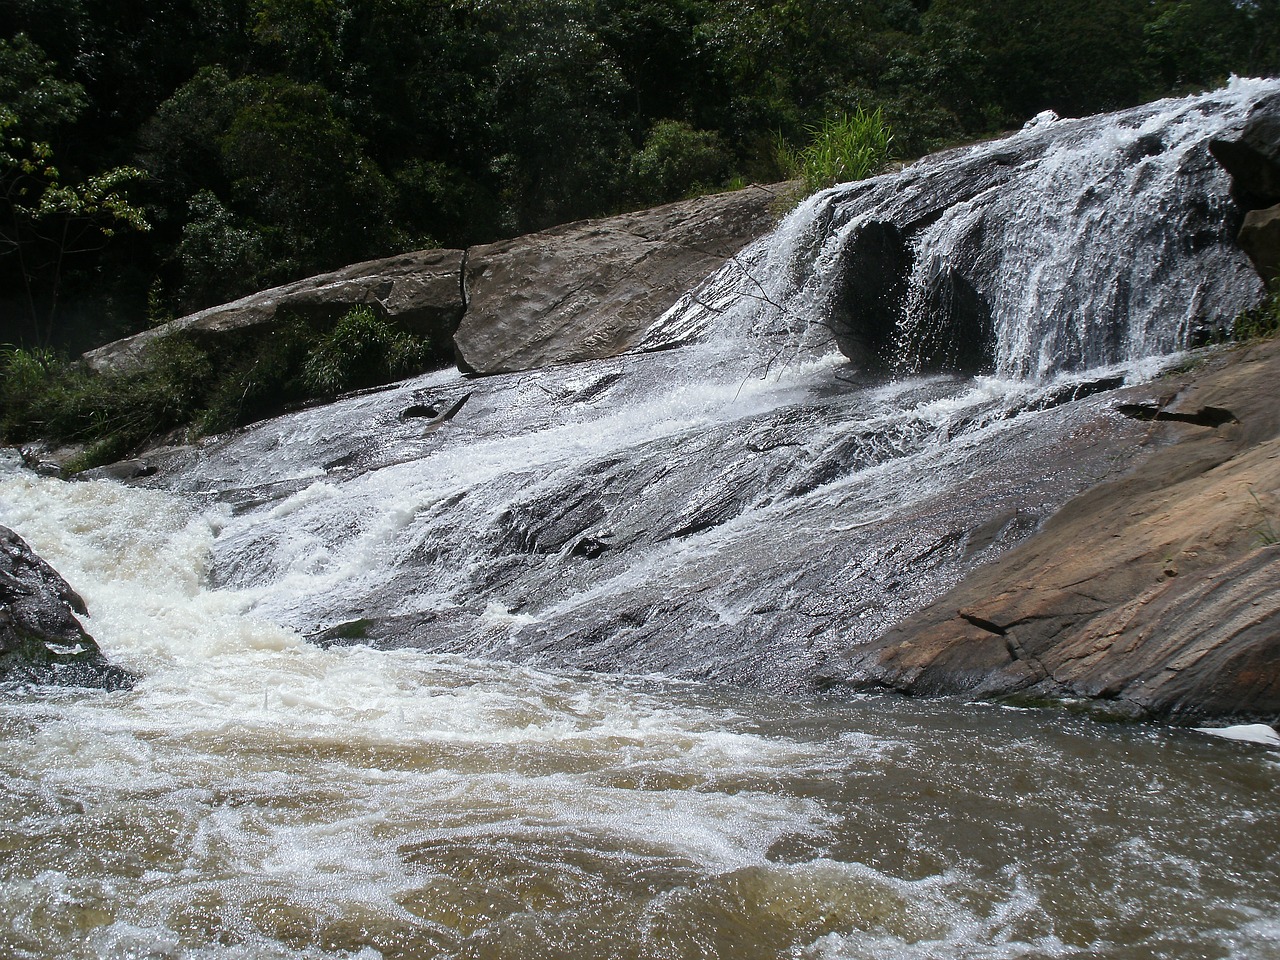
(256, 796)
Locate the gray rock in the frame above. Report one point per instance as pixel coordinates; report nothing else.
(41, 641)
(581, 291)
(419, 292)
(590, 290)
(1260, 239)
(1253, 157)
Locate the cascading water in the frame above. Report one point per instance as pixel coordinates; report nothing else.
(744, 508)
(1070, 245)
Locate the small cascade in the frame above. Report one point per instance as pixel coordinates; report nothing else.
(750, 506)
(1071, 244)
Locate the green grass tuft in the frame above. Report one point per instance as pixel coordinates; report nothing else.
(840, 149)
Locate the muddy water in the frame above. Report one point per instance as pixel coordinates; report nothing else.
(258, 797)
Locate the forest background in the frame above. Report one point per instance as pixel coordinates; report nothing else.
(161, 156)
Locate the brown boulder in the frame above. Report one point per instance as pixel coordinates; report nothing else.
(1260, 239)
(591, 289)
(1159, 592)
(419, 292)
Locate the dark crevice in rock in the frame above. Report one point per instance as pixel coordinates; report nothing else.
(983, 624)
(1212, 417)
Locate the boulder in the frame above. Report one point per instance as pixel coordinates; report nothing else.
(41, 641)
(581, 291)
(1253, 157)
(591, 289)
(1158, 593)
(1260, 239)
(420, 293)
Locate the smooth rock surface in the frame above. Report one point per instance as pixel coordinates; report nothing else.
(41, 641)
(1158, 592)
(1260, 239)
(419, 292)
(590, 290)
(581, 291)
(1253, 157)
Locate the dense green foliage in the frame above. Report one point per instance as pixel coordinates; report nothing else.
(159, 157)
(195, 385)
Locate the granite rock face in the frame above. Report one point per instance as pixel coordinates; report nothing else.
(1253, 160)
(41, 641)
(419, 293)
(581, 291)
(590, 290)
(1260, 239)
(1253, 157)
(1157, 594)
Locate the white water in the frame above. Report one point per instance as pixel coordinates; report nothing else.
(1093, 241)
(257, 796)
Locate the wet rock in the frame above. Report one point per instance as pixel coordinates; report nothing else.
(1260, 239)
(420, 293)
(1158, 592)
(1253, 157)
(592, 289)
(879, 263)
(41, 641)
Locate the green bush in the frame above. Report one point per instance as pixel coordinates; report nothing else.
(849, 147)
(677, 161)
(197, 384)
(362, 350)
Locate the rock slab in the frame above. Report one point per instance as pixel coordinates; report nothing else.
(1157, 594)
(590, 290)
(582, 291)
(418, 292)
(41, 641)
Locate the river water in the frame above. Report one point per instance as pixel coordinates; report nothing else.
(256, 796)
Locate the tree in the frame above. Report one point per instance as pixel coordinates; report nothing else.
(47, 217)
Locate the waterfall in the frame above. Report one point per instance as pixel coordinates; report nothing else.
(431, 777)
(749, 505)
(1069, 245)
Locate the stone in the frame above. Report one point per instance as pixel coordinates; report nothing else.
(873, 301)
(581, 291)
(1253, 157)
(592, 289)
(41, 641)
(419, 293)
(1157, 593)
(1260, 239)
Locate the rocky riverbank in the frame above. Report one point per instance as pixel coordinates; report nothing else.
(1157, 593)
(41, 639)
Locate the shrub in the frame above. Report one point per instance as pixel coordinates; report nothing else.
(204, 385)
(362, 350)
(841, 149)
(677, 161)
